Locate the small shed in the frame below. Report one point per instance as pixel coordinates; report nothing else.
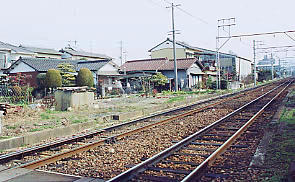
(73, 97)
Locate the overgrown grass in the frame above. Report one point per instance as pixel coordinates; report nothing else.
(48, 111)
(5, 137)
(35, 129)
(176, 99)
(288, 116)
(187, 92)
(79, 120)
(44, 116)
(11, 127)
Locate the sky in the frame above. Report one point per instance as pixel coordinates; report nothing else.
(99, 26)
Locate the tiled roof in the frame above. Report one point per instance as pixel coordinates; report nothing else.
(73, 52)
(9, 47)
(44, 64)
(158, 64)
(41, 50)
(92, 65)
(197, 49)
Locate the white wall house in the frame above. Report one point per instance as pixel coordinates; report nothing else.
(82, 55)
(43, 52)
(10, 53)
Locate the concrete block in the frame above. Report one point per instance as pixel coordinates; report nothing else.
(11, 143)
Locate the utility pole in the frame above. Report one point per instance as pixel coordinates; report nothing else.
(256, 43)
(254, 51)
(121, 52)
(222, 23)
(272, 72)
(174, 47)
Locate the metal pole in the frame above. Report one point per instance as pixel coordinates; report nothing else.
(121, 52)
(280, 68)
(174, 50)
(254, 50)
(217, 60)
(272, 72)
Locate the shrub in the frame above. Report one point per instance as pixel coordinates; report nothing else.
(17, 91)
(85, 78)
(67, 72)
(41, 80)
(53, 79)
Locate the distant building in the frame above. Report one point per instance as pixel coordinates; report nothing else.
(233, 64)
(43, 52)
(190, 70)
(268, 64)
(71, 53)
(10, 53)
(104, 71)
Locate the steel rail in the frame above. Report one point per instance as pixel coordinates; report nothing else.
(210, 160)
(129, 174)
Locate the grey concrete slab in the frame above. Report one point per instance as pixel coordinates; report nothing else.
(13, 173)
(2, 168)
(41, 176)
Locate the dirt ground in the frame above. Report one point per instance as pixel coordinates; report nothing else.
(30, 120)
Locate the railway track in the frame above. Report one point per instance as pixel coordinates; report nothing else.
(15, 159)
(78, 144)
(110, 159)
(189, 159)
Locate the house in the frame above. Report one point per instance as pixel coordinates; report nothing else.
(10, 53)
(43, 52)
(190, 70)
(103, 71)
(229, 63)
(71, 53)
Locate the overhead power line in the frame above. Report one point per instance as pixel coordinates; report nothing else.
(187, 13)
(277, 47)
(258, 34)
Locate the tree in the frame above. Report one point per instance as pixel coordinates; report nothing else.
(53, 79)
(67, 73)
(159, 79)
(41, 80)
(85, 78)
(265, 75)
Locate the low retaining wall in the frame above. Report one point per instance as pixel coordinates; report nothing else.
(43, 135)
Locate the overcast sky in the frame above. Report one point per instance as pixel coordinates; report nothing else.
(99, 25)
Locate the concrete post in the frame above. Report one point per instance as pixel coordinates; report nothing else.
(1, 116)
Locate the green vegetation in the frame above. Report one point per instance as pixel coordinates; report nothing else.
(44, 116)
(67, 73)
(288, 116)
(176, 99)
(85, 78)
(11, 127)
(53, 78)
(188, 92)
(159, 79)
(35, 129)
(41, 80)
(5, 137)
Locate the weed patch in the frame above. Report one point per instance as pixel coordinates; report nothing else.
(176, 99)
(288, 116)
